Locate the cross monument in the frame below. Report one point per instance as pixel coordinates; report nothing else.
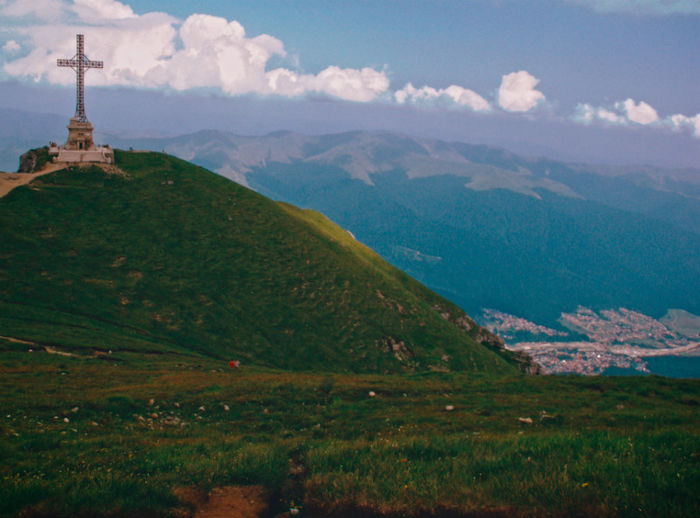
(80, 146)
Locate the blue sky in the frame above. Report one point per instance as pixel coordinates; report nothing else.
(605, 79)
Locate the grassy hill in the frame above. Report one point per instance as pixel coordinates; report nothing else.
(161, 255)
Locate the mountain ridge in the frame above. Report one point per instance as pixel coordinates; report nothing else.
(246, 152)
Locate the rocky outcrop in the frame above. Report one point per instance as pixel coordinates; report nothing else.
(488, 339)
(397, 348)
(33, 160)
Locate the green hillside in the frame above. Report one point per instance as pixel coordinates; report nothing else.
(160, 255)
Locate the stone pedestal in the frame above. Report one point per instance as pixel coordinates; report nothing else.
(79, 136)
(80, 146)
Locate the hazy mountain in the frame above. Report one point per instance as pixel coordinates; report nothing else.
(668, 194)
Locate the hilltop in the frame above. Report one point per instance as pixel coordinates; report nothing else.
(164, 256)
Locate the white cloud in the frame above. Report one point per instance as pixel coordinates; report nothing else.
(11, 46)
(98, 10)
(453, 95)
(658, 7)
(585, 113)
(640, 113)
(157, 50)
(608, 116)
(680, 121)
(629, 112)
(36, 9)
(517, 92)
(344, 83)
(350, 84)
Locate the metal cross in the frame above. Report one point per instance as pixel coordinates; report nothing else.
(80, 63)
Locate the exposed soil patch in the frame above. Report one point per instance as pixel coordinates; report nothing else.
(53, 350)
(226, 502)
(9, 181)
(18, 341)
(352, 511)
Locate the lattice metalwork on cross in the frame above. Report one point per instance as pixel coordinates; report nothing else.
(80, 63)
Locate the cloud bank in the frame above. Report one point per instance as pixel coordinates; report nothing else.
(156, 50)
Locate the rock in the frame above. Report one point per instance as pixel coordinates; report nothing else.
(449, 408)
(371, 393)
(66, 420)
(33, 160)
(226, 408)
(464, 323)
(201, 408)
(150, 402)
(526, 420)
(154, 416)
(399, 349)
(74, 409)
(171, 421)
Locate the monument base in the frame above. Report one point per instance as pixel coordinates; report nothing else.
(80, 135)
(99, 154)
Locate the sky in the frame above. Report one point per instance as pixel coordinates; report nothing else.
(601, 80)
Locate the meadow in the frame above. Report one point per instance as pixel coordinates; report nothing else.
(121, 434)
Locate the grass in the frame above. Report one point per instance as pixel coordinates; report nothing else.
(139, 426)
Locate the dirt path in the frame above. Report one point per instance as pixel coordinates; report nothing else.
(9, 181)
